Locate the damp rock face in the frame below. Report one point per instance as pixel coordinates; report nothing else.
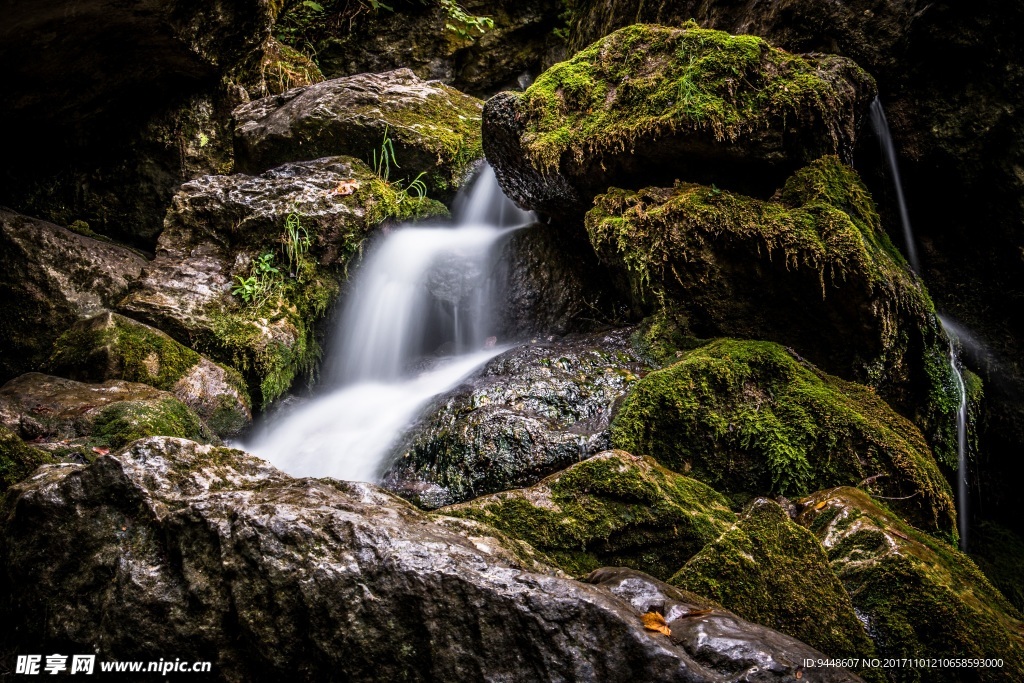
(53, 277)
(527, 413)
(433, 129)
(212, 554)
(650, 104)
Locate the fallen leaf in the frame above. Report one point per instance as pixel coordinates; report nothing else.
(695, 613)
(821, 505)
(100, 451)
(901, 535)
(655, 622)
(346, 187)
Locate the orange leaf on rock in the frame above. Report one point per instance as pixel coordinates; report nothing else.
(346, 187)
(655, 622)
(100, 451)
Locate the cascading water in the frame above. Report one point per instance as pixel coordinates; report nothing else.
(421, 292)
(881, 127)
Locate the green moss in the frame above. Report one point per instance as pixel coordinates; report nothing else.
(18, 459)
(919, 596)
(283, 68)
(125, 421)
(771, 571)
(610, 510)
(750, 419)
(999, 553)
(646, 81)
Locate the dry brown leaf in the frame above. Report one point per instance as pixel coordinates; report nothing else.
(655, 622)
(100, 451)
(821, 505)
(346, 187)
(696, 613)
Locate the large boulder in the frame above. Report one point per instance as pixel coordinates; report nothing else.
(770, 570)
(435, 40)
(111, 346)
(918, 596)
(214, 555)
(525, 414)
(223, 230)
(71, 418)
(749, 418)
(651, 104)
(811, 268)
(613, 509)
(408, 126)
(53, 277)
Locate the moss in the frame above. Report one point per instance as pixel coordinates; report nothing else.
(750, 419)
(771, 571)
(919, 596)
(663, 338)
(283, 68)
(18, 459)
(121, 423)
(999, 553)
(610, 510)
(647, 81)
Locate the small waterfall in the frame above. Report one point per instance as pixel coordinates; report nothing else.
(961, 436)
(881, 127)
(416, 322)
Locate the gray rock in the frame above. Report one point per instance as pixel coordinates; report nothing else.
(433, 129)
(51, 278)
(525, 414)
(212, 554)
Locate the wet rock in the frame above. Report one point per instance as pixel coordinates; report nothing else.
(433, 129)
(749, 418)
(918, 596)
(649, 104)
(774, 572)
(18, 459)
(111, 346)
(428, 40)
(216, 232)
(67, 417)
(811, 268)
(527, 413)
(51, 278)
(214, 555)
(613, 509)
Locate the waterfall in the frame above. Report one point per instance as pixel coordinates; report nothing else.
(961, 436)
(881, 127)
(415, 322)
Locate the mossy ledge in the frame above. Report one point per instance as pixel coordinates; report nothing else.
(611, 510)
(751, 419)
(811, 264)
(18, 459)
(919, 596)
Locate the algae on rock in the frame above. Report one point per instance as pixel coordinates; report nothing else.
(18, 459)
(749, 418)
(612, 509)
(774, 572)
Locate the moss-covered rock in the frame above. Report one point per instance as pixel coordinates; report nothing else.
(525, 414)
(811, 269)
(235, 233)
(283, 68)
(613, 509)
(50, 278)
(649, 104)
(999, 553)
(68, 418)
(749, 418)
(918, 596)
(18, 459)
(774, 572)
(430, 128)
(111, 346)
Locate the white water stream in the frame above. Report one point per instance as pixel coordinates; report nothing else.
(421, 292)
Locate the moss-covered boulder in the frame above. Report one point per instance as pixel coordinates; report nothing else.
(111, 346)
(750, 418)
(247, 266)
(18, 459)
(69, 418)
(51, 277)
(999, 553)
(919, 597)
(811, 268)
(529, 412)
(394, 119)
(650, 104)
(613, 509)
(772, 571)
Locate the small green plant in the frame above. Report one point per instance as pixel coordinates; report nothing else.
(296, 244)
(383, 161)
(463, 24)
(417, 187)
(263, 277)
